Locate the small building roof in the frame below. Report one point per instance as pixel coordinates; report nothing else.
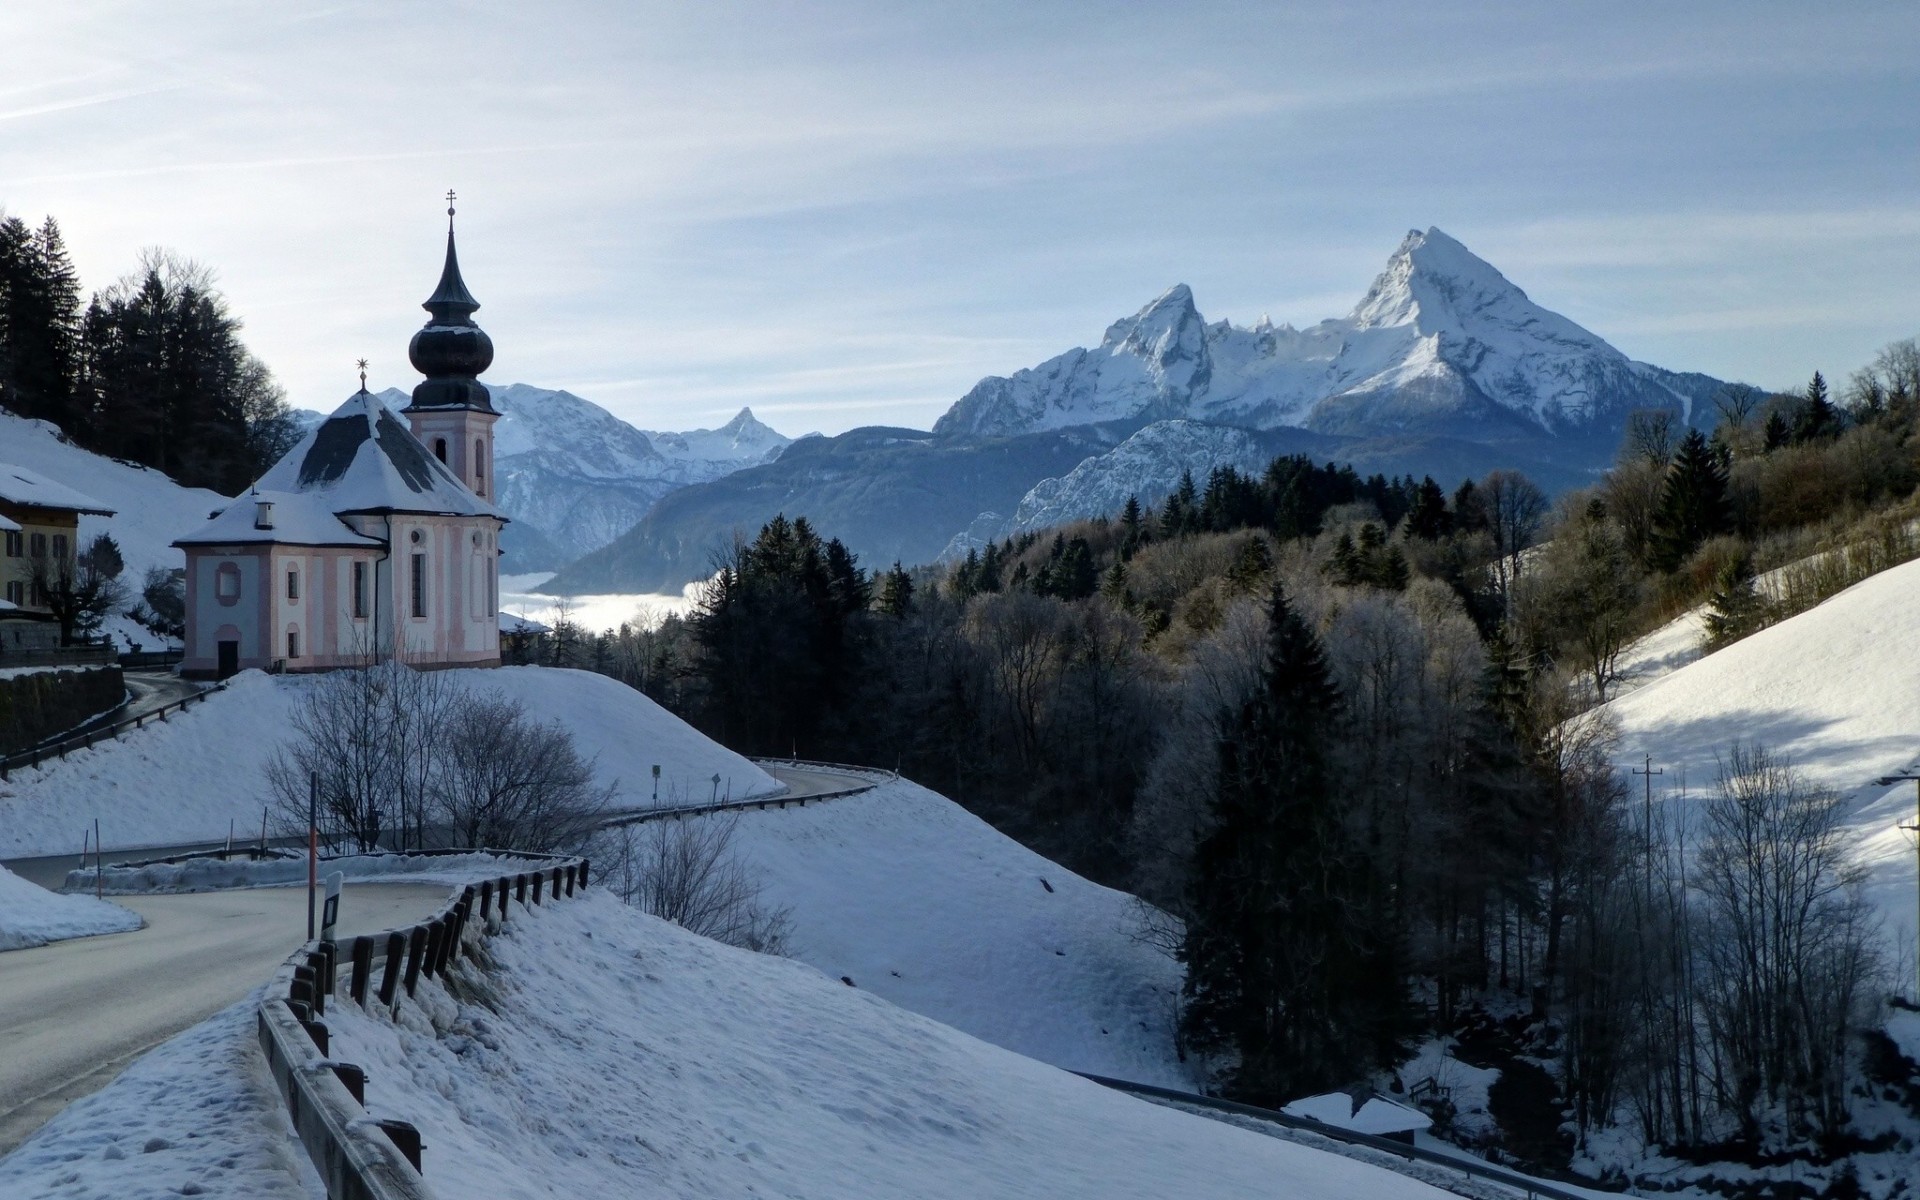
(8, 526)
(1376, 1116)
(515, 623)
(21, 486)
(361, 459)
(297, 519)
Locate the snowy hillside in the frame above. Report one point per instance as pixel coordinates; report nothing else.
(739, 1074)
(917, 900)
(1832, 689)
(150, 510)
(156, 785)
(1442, 343)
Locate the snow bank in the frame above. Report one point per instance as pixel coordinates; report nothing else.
(290, 867)
(1833, 689)
(196, 1117)
(186, 778)
(30, 915)
(914, 898)
(612, 1054)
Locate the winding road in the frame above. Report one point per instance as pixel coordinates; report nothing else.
(74, 1013)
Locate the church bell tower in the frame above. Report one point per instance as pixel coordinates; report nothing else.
(451, 412)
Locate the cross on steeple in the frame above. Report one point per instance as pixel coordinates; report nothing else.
(450, 199)
(362, 364)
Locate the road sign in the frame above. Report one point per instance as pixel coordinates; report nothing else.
(330, 911)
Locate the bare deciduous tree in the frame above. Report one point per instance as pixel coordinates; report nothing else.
(505, 781)
(686, 871)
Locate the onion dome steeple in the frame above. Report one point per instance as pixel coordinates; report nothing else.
(451, 350)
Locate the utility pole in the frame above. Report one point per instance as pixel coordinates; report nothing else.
(1914, 829)
(313, 845)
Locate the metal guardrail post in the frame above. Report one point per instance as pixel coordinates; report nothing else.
(362, 969)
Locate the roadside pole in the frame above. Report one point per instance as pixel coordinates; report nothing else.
(313, 846)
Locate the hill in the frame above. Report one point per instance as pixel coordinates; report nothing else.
(153, 786)
(1832, 690)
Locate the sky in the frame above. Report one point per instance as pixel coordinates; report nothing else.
(846, 214)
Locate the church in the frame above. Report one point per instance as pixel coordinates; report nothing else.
(369, 538)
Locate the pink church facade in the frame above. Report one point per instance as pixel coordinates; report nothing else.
(369, 538)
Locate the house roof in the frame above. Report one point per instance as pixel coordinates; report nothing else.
(21, 486)
(298, 519)
(8, 525)
(361, 459)
(1376, 1116)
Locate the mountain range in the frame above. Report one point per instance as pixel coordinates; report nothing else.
(1444, 367)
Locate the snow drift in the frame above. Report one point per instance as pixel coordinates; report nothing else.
(32, 916)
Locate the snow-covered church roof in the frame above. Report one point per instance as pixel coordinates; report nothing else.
(361, 459)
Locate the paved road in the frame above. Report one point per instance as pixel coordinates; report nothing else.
(73, 1014)
(148, 691)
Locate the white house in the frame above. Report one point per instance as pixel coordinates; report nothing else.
(369, 537)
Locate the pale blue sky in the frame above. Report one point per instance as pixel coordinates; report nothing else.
(846, 214)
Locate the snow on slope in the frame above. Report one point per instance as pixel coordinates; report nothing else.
(32, 916)
(617, 1055)
(1834, 689)
(196, 1117)
(1441, 341)
(185, 778)
(917, 900)
(150, 510)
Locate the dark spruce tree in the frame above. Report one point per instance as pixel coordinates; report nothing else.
(1294, 971)
(1693, 503)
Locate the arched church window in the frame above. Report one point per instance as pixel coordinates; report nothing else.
(440, 449)
(479, 467)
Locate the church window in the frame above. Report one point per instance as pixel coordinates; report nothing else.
(293, 643)
(440, 449)
(419, 585)
(360, 589)
(226, 584)
(293, 583)
(479, 468)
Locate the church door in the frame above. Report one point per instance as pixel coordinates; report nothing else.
(229, 659)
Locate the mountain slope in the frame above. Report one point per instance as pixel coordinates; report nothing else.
(1832, 689)
(1442, 343)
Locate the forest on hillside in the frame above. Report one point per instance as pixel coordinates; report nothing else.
(1345, 730)
(150, 369)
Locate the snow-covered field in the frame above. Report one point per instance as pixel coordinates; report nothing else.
(617, 1055)
(595, 613)
(186, 778)
(913, 898)
(32, 916)
(1835, 689)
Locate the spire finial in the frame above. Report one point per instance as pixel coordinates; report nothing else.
(362, 364)
(450, 199)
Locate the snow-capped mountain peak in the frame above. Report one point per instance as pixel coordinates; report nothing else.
(1442, 343)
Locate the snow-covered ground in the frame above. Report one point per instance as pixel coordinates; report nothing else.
(150, 510)
(32, 916)
(186, 778)
(1836, 690)
(913, 898)
(595, 613)
(612, 1054)
(197, 1117)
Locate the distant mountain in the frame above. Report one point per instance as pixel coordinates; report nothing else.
(888, 493)
(1441, 344)
(1444, 367)
(573, 477)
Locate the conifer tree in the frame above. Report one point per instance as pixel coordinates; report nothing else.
(1428, 518)
(1292, 964)
(896, 591)
(1776, 432)
(1818, 418)
(1132, 528)
(1693, 503)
